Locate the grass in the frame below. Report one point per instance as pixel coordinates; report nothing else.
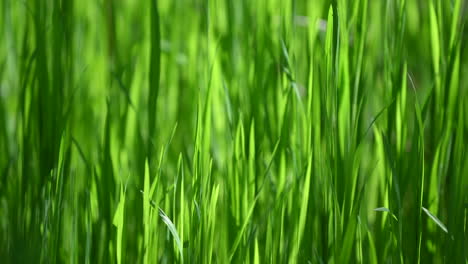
(243, 131)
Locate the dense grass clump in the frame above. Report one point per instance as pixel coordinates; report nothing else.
(247, 131)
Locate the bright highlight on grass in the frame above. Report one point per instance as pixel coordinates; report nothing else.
(222, 131)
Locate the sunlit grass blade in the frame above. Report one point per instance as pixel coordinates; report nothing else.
(173, 231)
(436, 220)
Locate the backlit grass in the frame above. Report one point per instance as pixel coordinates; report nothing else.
(221, 131)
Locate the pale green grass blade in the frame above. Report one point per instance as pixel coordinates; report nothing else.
(118, 221)
(173, 231)
(436, 220)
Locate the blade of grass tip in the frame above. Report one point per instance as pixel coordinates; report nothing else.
(256, 253)
(118, 221)
(435, 219)
(155, 182)
(212, 221)
(252, 159)
(173, 231)
(180, 173)
(384, 209)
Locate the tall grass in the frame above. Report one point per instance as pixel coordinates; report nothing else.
(242, 131)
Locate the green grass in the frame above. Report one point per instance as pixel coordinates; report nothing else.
(214, 131)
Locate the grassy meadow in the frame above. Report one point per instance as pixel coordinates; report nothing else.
(233, 131)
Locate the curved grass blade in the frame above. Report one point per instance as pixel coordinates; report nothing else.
(174, 233)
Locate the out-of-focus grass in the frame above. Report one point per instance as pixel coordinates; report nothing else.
(242, 131)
